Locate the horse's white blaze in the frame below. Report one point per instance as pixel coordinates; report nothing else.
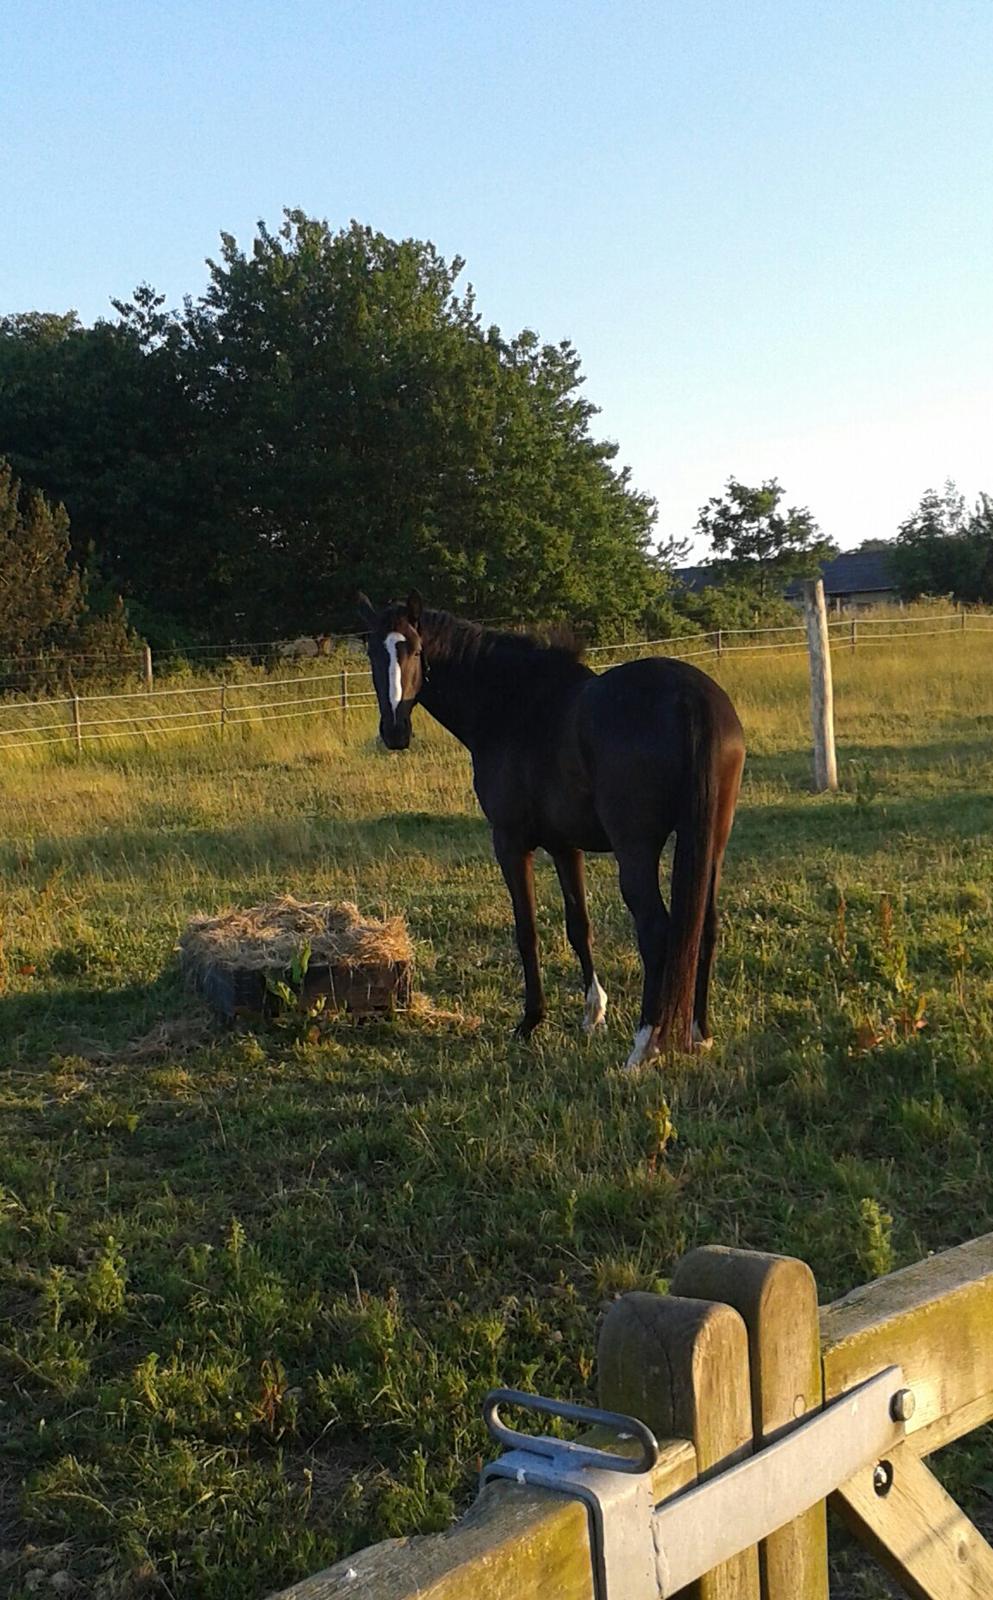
(642, 1050)
(396, 685)
(596, 1005)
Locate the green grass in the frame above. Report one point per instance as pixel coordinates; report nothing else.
(254, 1286)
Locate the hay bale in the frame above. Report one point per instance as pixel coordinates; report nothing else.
(355, 962)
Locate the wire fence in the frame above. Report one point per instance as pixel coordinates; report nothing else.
(76, 720)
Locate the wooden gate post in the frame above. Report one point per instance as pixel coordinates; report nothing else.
(821, 690)
(776, 1297)
(147, 673)
(682, 1367)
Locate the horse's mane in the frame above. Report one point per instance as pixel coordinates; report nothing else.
(454, 640)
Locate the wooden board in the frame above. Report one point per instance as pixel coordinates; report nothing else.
(776, 1297)
(515, 1544)
(681, 1366)
(917, 1532)
(935, 1320)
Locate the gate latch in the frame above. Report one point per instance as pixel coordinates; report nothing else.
(641, 1551)
(616, 1489)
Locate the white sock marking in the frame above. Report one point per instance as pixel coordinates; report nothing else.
(642, 1050)
(396, 685)
(596, 1005)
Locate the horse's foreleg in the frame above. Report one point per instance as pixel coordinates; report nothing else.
(517, 866)
(569, 864)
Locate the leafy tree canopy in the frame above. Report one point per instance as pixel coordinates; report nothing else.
(40, 592)
(331, 415)
(943, 550)
(758, 544)
(51, 629)
(873, 544)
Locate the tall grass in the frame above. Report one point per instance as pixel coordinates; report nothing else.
(254, 1285)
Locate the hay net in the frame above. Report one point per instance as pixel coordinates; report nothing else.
(271, 936)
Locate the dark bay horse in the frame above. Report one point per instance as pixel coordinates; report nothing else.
(571, 760)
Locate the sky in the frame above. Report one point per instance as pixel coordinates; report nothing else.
(767, 227)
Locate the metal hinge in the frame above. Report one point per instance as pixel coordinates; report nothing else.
(643, 1551)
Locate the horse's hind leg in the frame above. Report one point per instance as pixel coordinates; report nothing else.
(569, 864)
(639, 876)
(702, 1036)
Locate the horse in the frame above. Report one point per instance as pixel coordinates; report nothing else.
(571, 761)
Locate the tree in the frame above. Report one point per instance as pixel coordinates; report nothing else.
(368, 431)
(41, 596)
(103, 420)
(757, 544)
(942, 550)
(332, 414)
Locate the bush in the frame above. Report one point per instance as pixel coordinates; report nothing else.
(736, 605)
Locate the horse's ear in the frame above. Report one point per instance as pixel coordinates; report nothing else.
(415, 605)
(366, 609)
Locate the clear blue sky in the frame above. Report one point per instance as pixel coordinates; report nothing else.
(767, 227)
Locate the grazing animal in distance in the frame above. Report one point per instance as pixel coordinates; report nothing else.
(308, 645)
(571, 760)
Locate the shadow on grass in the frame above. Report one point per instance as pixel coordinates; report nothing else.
(290, 836)
(855, 826)
(67, 1019)
(794, 767)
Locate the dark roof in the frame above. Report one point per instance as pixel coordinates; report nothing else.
(694, 578)
(855, 572)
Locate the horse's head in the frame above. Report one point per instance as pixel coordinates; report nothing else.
(394, 646)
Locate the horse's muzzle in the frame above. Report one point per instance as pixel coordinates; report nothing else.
(395, 735)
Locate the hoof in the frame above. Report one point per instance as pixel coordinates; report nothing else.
(596, 1007)
(644, 1050)
(699, 1041)
(525, 1028)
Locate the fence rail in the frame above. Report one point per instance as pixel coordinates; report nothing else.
(737, 1364)
(350, 689)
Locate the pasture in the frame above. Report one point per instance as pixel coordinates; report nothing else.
(255, 1285)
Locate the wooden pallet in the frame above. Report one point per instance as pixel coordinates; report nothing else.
(364, 991)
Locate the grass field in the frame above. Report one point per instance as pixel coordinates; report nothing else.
(255, 1285)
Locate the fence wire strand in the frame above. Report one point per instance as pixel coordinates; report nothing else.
(228, 711)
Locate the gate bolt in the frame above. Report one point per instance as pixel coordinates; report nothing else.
(903, 1405)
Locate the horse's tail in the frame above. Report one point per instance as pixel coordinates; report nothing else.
(692, 883)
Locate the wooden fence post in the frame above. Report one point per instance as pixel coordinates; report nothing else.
(682, 1367)
(720, 643)
(821, 691)
(344, 700)
(854, 634)
(776, 1297)
(77, 726)
(147, 666)
(224, 705)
